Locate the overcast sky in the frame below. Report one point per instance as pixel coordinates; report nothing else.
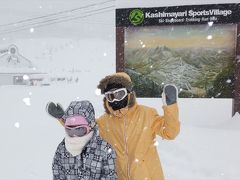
(13, 11)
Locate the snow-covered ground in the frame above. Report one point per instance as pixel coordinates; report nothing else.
(202, 154)
(206, 149)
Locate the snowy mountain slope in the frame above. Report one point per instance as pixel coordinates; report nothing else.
(192, 70)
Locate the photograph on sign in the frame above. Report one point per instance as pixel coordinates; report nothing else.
(199, 59)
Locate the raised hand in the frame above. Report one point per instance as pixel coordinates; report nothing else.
(55, 110)
(170, 94)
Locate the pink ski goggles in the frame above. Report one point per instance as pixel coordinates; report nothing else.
(77, 131)
(76, 126)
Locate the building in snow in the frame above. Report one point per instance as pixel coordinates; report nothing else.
(15, 69)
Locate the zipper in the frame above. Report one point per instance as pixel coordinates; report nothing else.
(126, 147)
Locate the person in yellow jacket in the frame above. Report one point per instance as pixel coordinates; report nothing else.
(132, 128)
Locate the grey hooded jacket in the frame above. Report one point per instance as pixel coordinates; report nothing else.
(97, 159)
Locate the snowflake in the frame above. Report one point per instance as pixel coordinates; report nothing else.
(31, 30)
(25, 77)
(209, 37)
(109, 150)
(210, 23)
(27, 101)
(17, 124)
(156, 143)
(229, 81)
(98, 92)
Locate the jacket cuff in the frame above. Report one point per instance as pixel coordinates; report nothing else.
(172, 106)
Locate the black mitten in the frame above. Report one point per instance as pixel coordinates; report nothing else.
(55, 110)
(171, 94)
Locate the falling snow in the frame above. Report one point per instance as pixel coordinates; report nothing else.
(31, 30)
(25, 77)
(210, 23)
(109, 150)
(183, 158)
(17, 124)
(209, 37)
(98, 92)
(229, 81)
(27, 101)
(156, 143)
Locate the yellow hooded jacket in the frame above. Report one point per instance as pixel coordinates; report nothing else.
(132, 132)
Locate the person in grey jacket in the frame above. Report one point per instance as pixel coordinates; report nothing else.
(82, 154)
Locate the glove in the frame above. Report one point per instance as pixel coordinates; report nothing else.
(170, 94)
(54, 110)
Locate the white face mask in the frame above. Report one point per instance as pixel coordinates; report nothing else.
(74, 145)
